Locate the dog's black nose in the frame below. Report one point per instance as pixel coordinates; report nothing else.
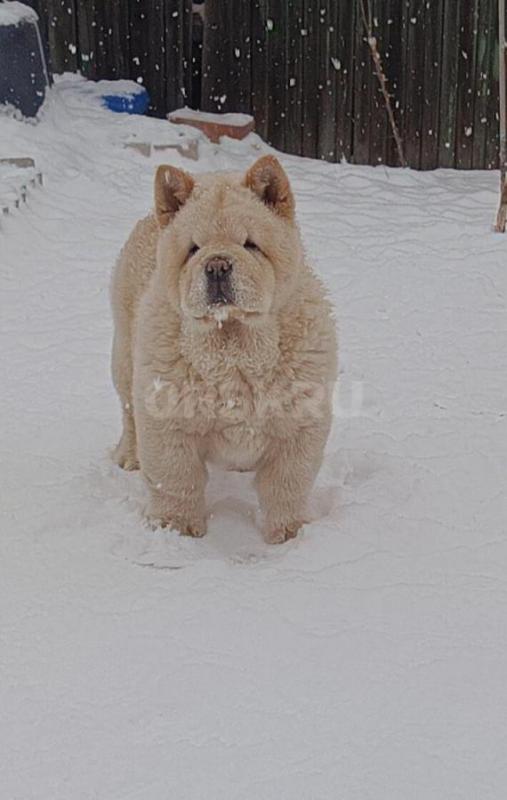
(217, 268)
(218, 272)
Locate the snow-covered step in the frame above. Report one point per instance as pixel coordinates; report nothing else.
(214, 126)
(18, 177)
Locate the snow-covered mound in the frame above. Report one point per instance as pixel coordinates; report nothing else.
(235, 120)
(15, 183)
(14, 13)
(367, 658)
(100, 89)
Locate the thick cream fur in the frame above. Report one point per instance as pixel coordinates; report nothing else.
(247, 387)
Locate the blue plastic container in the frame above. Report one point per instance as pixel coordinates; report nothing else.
(128, 103)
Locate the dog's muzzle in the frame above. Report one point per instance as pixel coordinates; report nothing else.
(218, 272)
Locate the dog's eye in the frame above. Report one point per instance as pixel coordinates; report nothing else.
(251, 245)
(193, 250)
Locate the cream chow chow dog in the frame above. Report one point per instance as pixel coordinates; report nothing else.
(224, 347)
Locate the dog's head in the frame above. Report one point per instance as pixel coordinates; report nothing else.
(229, 244)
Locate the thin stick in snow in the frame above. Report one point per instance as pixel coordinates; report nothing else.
(372, 42)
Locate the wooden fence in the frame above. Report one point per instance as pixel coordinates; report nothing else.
(146, 40)
(304, 69)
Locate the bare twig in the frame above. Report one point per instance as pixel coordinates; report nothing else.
(379, 69)
(501, 217)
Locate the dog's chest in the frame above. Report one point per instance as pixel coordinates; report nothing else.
(239, 426)
(236, 447)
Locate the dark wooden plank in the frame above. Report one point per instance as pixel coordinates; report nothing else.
(483, 79)
(99, 37)
(412, 80)
(311, 91)
(277, 38)
(342, 60)
(433, 14)
(466, 93)
(216, 69)
(147, 36)
(115, 58)
(392, 53)
(378, 112)
(261, 29)
(227, 57)
(491, 157)
(362, 94)
(294, 119)
(327, 83)
(177, 54)
(449, 83)
(239, 57)
(62, 34)
(197, 32)
(85, 10)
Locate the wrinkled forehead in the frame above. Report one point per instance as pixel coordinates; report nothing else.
(224, 209)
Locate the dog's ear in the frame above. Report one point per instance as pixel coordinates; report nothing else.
(173, 187)
(267, 179)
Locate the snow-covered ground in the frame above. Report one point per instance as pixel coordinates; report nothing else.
(367, 660)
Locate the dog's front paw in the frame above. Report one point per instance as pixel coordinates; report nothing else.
(185, 525)
(189, 528)
(127, 462)
(125, 456)
(282, 533)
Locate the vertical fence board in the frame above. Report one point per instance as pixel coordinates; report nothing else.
(216, 96)
(147, 36)
(492, 115)
(343, 66)
(86, 36)
(115, 21)
(62, 34)
(109, 40)
(98, 40)
(413, 34)
(311, 93)
(449, 83)
(278, 72)
(482, 86)
(239, 59)
(227, 58)
(378, 124)
(431, 93)
(466, 78)
(177, 54)
(363, 67)
(326, 141)
(394, 67)
(259, 21)
(294, 127)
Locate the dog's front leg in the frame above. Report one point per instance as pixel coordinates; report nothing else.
(176, 477)
(284, 480)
